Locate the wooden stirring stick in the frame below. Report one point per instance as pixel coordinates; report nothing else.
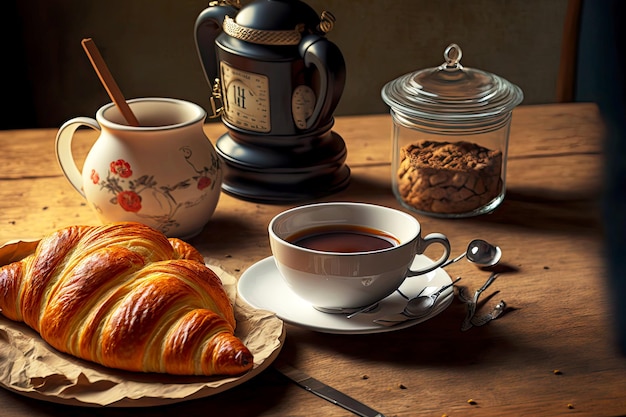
(108, 81)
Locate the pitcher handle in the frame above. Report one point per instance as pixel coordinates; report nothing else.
(425, 242)
(64, 154)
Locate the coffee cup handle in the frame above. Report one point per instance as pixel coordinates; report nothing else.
(425, 242)
(64, 154)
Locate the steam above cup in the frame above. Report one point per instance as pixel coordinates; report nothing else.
(314, 250)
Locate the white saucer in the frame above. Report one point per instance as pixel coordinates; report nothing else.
(262, 287)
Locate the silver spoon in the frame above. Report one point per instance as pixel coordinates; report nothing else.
(422, 304)
(479, 252)
(417, 307)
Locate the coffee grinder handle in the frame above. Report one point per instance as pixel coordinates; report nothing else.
(207, 28)
(326, 57)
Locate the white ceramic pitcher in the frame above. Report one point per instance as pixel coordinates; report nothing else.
(164, 173)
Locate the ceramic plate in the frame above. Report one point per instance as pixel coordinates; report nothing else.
(262, 287)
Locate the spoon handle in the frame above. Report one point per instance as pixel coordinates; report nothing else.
(487, 283)
(451, 261)
(471, 305)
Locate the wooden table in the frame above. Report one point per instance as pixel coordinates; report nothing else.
(549, 230)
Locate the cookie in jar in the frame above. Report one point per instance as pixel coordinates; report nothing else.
(450, 138)
(448, 177)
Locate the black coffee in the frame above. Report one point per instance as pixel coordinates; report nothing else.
(343, 238)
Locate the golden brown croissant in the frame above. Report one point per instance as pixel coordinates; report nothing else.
(125, 296)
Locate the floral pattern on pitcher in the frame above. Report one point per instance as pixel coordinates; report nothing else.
(127, 192)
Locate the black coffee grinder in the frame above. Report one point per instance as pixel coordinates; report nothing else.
(276, 82)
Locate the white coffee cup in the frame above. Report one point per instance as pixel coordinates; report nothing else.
(332, 280)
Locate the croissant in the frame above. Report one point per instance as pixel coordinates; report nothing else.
(125, 296)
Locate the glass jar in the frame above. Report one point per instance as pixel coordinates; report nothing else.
(450, 138)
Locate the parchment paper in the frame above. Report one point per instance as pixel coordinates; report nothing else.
(33, 368)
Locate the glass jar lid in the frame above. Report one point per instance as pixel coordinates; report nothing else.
(451, 94)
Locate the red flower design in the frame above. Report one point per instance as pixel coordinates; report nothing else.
(129, 201)
(203, 182)
(121, 168)
(95, 178)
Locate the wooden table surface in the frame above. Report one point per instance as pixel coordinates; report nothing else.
(549, 230)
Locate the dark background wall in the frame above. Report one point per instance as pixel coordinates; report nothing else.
(149, 47)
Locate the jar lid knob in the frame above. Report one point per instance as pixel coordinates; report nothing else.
(453, 55)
